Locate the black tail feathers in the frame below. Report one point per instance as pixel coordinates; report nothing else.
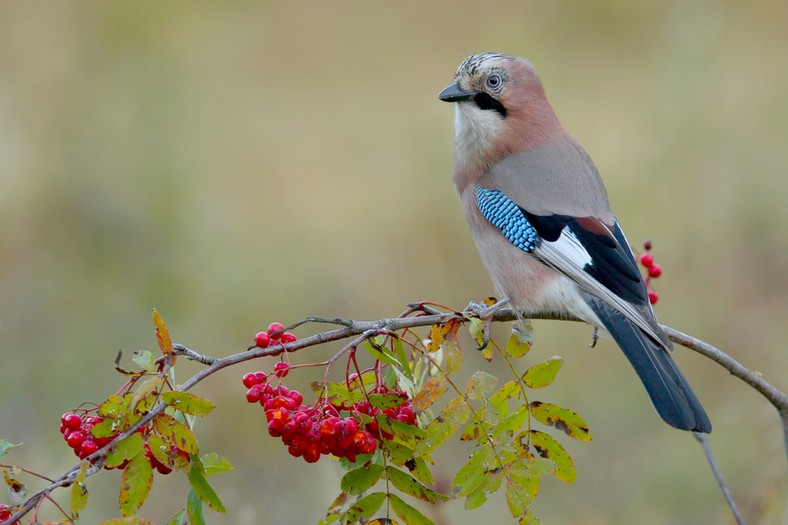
(669, 391)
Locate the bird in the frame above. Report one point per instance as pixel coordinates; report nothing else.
(541, 220)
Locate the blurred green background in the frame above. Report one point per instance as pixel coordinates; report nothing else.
(237, 163)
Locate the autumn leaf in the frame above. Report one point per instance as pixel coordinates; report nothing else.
(162, 334)
(561, 418)
(135, 484)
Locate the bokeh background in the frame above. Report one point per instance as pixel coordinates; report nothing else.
(236, 163)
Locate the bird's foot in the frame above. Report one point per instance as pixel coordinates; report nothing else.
(484, 312)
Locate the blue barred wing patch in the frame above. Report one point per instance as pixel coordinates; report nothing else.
(508, 217)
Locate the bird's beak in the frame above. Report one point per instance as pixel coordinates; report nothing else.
(454, 93)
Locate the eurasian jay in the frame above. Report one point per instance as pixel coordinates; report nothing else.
(541, 220)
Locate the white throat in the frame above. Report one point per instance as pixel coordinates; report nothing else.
(474, 133)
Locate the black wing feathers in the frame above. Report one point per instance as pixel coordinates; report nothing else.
(612, 263)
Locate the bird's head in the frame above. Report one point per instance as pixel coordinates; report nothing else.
(500, 104)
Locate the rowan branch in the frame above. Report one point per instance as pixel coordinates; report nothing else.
(417, 315)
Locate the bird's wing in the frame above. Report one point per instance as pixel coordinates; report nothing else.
(557, 218)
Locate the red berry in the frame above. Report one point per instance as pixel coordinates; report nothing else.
(281, 369)
(653, 297)
(647, 260)
(312, 452)
(287, 337)
(275, 327)
(249, 380)
(5, 511)
(296, 396)
(88, 447)
(655, 270)
(647, 245)
(262, 339)
(72, 420)
(75, 439)
(253, 394)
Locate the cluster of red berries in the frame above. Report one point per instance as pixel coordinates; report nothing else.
(5, 512)
(274, 335)
(311, 430)
(653, 269)
(77, 429)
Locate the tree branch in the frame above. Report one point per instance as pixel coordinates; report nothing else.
(417, 315)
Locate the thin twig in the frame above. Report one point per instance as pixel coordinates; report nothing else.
(726, 493)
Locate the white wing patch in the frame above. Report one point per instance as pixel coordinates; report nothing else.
(568, 256)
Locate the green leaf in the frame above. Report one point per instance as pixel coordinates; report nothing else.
(518, 497)
(202, 488)
(135, 484)
(144, 390)
(397, 453)
(405, 431)
(499, 400)
(432, 390)
(472, 474)
(480, 385)
(402, 358)
(159, 449)
(366, 507)
(476, 329)
(542, 374)
(561, 418)
(79, 492)
(528, 519)
(530, 467)
(407, 484)
(187, 403)
(452, 355)
(492, 482)
(408, 513)
(124, 450)
(144, 359)
(175, 433)
(105, 428)
(384, 401)
(162, 334)
(438, 432)
(115, 406)
(513, 422)
(338, 393)
(456, 410)
(194, 509)
(516, 347)
(549, 448)
(5, 446)
(214, 464)
(418, 467)
(380, 354)
(358, 480)
(179, 518)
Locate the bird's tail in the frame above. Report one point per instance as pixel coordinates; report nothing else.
(669, 391)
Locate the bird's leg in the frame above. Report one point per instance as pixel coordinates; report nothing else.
(594, 337)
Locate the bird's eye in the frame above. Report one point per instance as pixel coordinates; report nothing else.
(494, 81)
